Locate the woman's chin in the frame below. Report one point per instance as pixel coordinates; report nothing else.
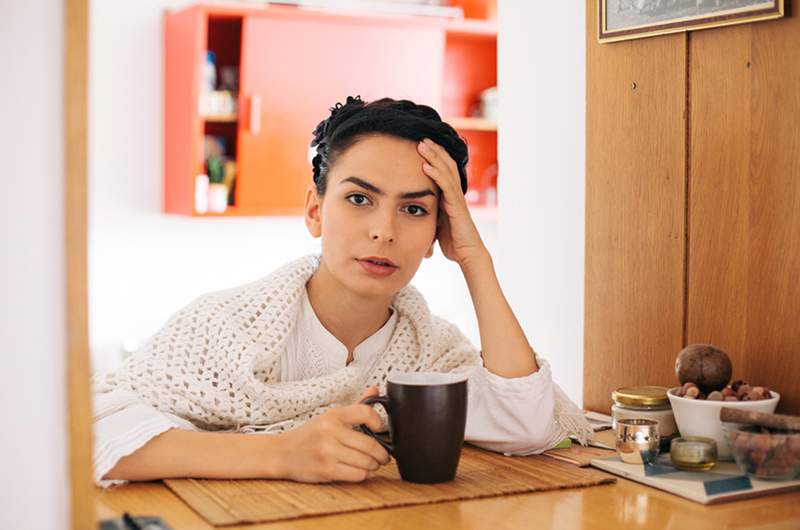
(375, 288)
(367, 285)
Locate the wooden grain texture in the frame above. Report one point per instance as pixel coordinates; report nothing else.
(480, 474)
(622, 505)
(79, 420)
(744, 210)
(635, 197)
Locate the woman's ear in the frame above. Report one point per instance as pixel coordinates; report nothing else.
(430, 250)
(313, 212)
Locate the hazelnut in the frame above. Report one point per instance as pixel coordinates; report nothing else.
(716, 395)
(794, 444)
(728, 391)
(692, 392)
(757, 457)
(736, 384)
(753, 395)
(760, 443)
(743, 391)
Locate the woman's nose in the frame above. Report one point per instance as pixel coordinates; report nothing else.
(383, 229)
(379, 234)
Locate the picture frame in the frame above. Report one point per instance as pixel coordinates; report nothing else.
(634, 19)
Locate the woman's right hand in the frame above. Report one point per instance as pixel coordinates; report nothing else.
(327, 449)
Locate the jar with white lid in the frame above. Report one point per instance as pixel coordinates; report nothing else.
(645, 402)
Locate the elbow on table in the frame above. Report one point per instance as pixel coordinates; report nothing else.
(534, 442)
(528, 440)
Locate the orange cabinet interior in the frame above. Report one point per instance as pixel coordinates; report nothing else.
(293, 66)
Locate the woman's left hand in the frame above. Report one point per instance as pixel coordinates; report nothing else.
(458, 237)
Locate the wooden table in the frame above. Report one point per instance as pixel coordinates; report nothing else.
(624, 505)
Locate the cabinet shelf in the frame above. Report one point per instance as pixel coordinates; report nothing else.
(258, 46)
(472, 124)
(220, 118)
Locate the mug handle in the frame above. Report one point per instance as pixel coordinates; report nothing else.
(377, 400)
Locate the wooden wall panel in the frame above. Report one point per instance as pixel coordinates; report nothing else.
(744, 201)
(635, 210)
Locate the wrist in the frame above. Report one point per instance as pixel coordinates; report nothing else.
(477, 262)
(266, 452)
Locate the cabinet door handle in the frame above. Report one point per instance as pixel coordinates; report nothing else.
(255, 114)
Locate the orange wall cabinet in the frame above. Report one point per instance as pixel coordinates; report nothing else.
(293, 65)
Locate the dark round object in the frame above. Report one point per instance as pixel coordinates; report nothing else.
(704, 365)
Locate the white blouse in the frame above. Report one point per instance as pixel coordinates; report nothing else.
(511, 416)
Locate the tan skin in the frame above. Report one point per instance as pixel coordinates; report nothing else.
(386, 197)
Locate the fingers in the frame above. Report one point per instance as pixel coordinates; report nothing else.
(358, 414)
(357, 459)
(364, 444)
(371, 391)
(345, 473)
(441, 165)
(438, 153)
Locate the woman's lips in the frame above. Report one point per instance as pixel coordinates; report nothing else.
(375, 269)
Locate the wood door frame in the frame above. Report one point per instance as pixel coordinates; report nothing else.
(79, 413)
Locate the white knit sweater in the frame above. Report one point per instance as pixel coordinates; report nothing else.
(216, 363)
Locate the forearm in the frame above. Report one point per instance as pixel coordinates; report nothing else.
(504, 347)
(179, 453)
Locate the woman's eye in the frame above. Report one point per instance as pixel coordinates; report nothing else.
(416, 211)
(357, 199)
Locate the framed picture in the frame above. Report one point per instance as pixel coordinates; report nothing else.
(633, 19)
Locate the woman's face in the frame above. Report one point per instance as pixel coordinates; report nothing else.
(378, 217)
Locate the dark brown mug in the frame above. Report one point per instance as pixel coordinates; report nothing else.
(427, 417)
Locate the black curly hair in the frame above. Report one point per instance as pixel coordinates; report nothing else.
(351, 121)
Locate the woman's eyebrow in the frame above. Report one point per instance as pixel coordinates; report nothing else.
(364, 184)
(374, 189)
(418, 194)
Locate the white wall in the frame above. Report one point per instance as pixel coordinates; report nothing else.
(541, 77)
(541, 239)
(145, 265)
(33, 447)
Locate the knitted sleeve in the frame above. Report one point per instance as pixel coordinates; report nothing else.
(452, 350)
(215, 363)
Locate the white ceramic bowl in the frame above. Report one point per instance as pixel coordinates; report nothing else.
(700, 417)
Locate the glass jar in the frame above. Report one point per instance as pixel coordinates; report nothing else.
(644, 402)
(693, 453)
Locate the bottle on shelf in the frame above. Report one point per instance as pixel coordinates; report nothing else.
(201, 194)
(217, 190)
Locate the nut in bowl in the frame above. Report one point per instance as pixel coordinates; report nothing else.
(700, 417)
(769, 454)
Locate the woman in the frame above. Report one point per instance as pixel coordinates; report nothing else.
(291, 355)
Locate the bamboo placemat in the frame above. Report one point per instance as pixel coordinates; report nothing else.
(480, 474)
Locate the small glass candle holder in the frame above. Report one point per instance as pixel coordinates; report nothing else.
(637, 440)
(693, 453)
